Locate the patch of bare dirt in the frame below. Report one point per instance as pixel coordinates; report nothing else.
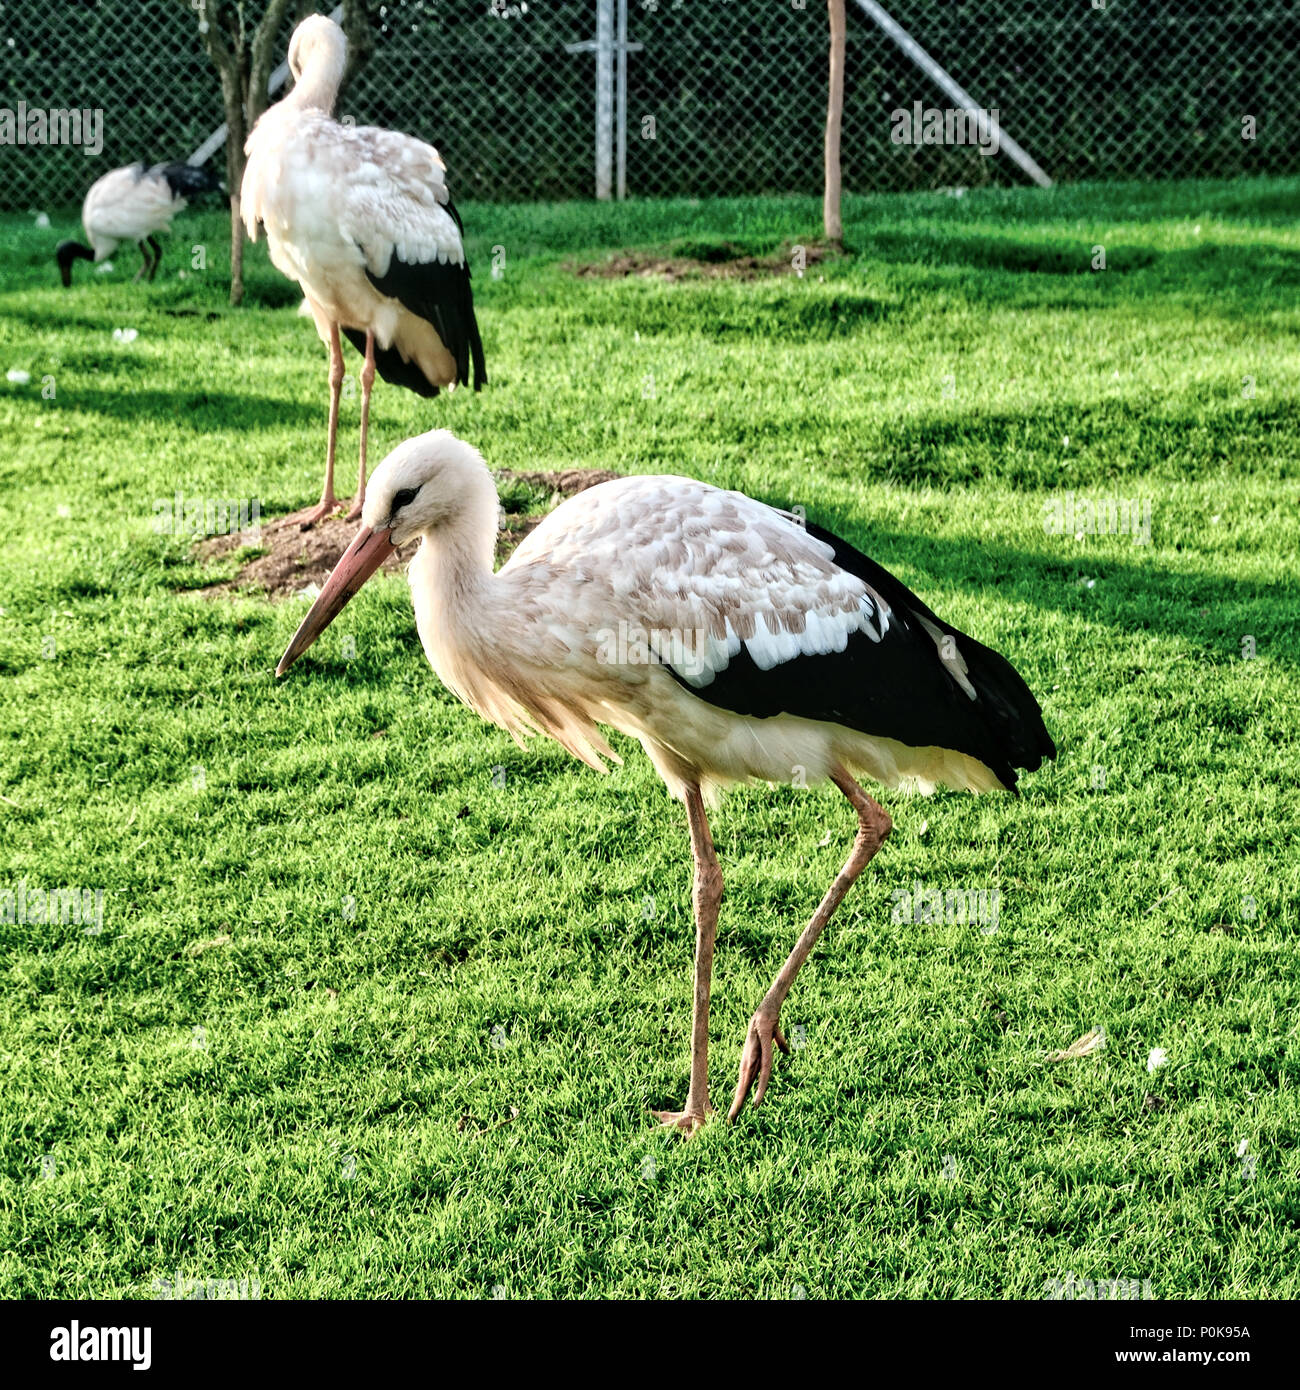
(718, 265)
(292, 560)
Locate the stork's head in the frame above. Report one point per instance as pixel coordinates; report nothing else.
(318, 50)
(435, 486)
(427, 484)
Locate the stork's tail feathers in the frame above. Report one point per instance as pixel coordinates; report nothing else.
(438, 292)
(1009, 707)
(1013, 734)
(476, 347)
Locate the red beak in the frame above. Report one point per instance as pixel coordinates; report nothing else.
(369, 550)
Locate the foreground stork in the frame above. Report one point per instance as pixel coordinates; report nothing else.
(133, 204)
(361, 218)
(733, 642)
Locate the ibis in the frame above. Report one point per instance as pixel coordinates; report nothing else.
(133, 204)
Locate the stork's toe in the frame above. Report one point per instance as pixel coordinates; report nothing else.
(688, 1121)
(308, 517)
(756, 1059)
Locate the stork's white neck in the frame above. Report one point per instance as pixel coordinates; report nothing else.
(318, 87)
(455, 593)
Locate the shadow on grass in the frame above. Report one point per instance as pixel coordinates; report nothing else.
(93, 305)
(207, 411)
(1001, 273)
(1192, 435)
(1131, 596)
(749, 308)
(940, 246)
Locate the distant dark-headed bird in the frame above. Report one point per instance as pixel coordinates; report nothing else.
(734, 642)
(361, 218)
(132, 205)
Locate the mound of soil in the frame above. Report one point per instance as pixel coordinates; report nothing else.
(290, 561)
(566, 482)
(721, 261)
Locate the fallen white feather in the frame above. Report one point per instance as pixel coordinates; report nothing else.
(125, 335)
(18, 376)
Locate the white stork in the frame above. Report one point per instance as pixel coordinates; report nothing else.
(732, 641)
(362, 219)
(133, 204)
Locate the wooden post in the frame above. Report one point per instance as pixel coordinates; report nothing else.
(831, 220)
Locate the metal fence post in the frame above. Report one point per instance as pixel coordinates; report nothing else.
(604, 99)
(621, 102)
(897, 34)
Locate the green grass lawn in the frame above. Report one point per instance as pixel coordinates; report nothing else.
(411, 954)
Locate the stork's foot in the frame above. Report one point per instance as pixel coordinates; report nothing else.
(688, 1121)
(355, 510)
(756, 1059)
(308, 517)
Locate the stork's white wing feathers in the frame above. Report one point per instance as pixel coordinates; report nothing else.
(387, 192)
(699, 571)
(395, 202)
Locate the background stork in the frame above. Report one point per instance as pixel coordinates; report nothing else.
(362, 219)
(133, 204)
(732, 641)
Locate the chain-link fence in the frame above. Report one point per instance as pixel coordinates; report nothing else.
(720, 96)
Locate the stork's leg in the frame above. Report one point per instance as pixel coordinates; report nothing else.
(144, 263)
(328, 503)
(157, 258)
(708, 898)
(367, 381)
(874, 825)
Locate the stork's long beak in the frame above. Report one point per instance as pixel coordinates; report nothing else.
(369, 550)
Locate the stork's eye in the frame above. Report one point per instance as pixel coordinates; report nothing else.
(400, 499)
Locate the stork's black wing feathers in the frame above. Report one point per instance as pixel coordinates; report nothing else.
(898, 687)
(440, 293)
